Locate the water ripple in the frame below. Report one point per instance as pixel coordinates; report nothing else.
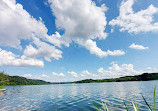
(76, 97)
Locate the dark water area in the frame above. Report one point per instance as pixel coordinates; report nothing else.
(77, 97)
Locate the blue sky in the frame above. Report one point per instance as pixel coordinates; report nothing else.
(78, 39)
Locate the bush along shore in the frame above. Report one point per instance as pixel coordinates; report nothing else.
(104, 106)
(1, 87)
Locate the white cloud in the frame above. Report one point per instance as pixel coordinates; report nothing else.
(28, 75)
(138, 47)
(43, 50)
(17, 24)
(87, 73)
(135, 22)
(57, 40)
(83, 75)
(92, 47)
(44, 76)
(151, 69)
(115, 53)
(7, 58)
(117, 71)
(74, 74)
(38, 77)
(112, 72)
(59, 75)
(82, 21)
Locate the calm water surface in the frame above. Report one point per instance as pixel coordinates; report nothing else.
(76, 97)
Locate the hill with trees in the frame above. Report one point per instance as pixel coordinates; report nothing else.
(142, 77)
(17, 80)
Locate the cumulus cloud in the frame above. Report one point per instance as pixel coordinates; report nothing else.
(138, 47)
(7, 58)
(87, 73)
(74, 74)
(27, 75)
(117, 71)
(135, 22)
(57, 40)
(123, 70)
(17, 24)
(92, 47)
(112, 72)
(84, 74)
(43, 50)
(151, 69)
(82, 21)
(44, 76)
(38, 77)
(59, 75)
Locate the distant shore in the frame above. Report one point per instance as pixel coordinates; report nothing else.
(142, 77)
(17, 80)
(6, 80)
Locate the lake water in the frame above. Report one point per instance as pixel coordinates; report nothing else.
(77, 97)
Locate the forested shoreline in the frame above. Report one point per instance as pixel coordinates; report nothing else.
(6, 80)
(142, 77)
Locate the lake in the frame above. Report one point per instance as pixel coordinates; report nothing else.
(77, 97)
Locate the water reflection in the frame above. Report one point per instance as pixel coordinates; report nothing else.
(76, 97)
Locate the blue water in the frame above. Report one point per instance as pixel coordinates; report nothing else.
(77, 97)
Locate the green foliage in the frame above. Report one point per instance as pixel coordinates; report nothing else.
(143, 77)
(97, 107)
(105, 106)
(134, 105)
(6, 80)
(1, 87)
(3, 79)
(154, 98)
(147, 103)
(125, 105)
